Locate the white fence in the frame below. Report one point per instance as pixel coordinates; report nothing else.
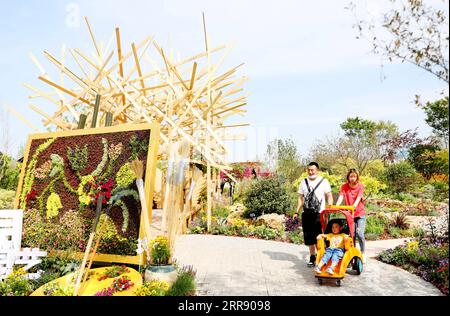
(10, 245)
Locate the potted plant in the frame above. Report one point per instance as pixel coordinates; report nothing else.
(160, 267)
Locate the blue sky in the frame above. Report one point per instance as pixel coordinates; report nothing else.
(307, 71)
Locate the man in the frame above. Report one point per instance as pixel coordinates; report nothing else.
(312, 193)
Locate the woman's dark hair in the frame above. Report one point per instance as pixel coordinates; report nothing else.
(355, 172)
(314, 164)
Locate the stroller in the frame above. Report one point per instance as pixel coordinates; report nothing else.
(352, 255)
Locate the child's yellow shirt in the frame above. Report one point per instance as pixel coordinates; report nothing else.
(336, 240)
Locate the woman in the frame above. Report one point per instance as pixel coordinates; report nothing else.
(352, 193)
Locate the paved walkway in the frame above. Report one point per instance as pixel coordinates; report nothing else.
(233, 266)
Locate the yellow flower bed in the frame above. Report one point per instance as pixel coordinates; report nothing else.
(238, 222)
(92, 285)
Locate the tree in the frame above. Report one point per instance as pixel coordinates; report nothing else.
(414, 31)
(284, 157)
(397, 147)
(437, 117)
(429, 160)
(364, 139)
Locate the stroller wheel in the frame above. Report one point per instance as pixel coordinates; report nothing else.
(320, 281)
(338, 282)
(358, 266)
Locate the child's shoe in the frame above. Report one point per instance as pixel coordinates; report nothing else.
(329, 271)
(317, 269)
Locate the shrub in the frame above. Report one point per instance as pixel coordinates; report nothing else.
(118, 245)
(372, 186)
(16, 285)
(9, 172)
(394, 232)
(405, 197)
(197, 230)
(402, 177)
(292, 224)
(400, 221)
(220, 212)
(296, 236)
(440, 191)
(394, 256)
(184, 285)
(375, 168)
(267, 233)
(59, 264)
(198, 225)
(6, 199)
(153, 288)
(268, 195)
(375, 227)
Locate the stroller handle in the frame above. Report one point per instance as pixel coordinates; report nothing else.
(342, 207)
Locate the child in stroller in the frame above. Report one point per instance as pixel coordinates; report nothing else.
(335, 251)
(337, 221)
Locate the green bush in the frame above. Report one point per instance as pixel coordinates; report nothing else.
(9, 172)
(375, 168)
(184, 285)
(375, 227)
(197, 230)
(7, 199)
(400, 221)
(405, 197)
(296, 237)
(372, 186)
(268, 195)
(15, 285)
(396, 256)
(402, 177)
(267, 233)
(394, 232)
(58, 264)
(220, 212)
(440, 191)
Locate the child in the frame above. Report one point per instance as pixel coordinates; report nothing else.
(336, 250)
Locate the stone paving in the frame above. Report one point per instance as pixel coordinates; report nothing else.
(233, 266)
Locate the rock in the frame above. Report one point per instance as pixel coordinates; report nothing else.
(274, 221)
